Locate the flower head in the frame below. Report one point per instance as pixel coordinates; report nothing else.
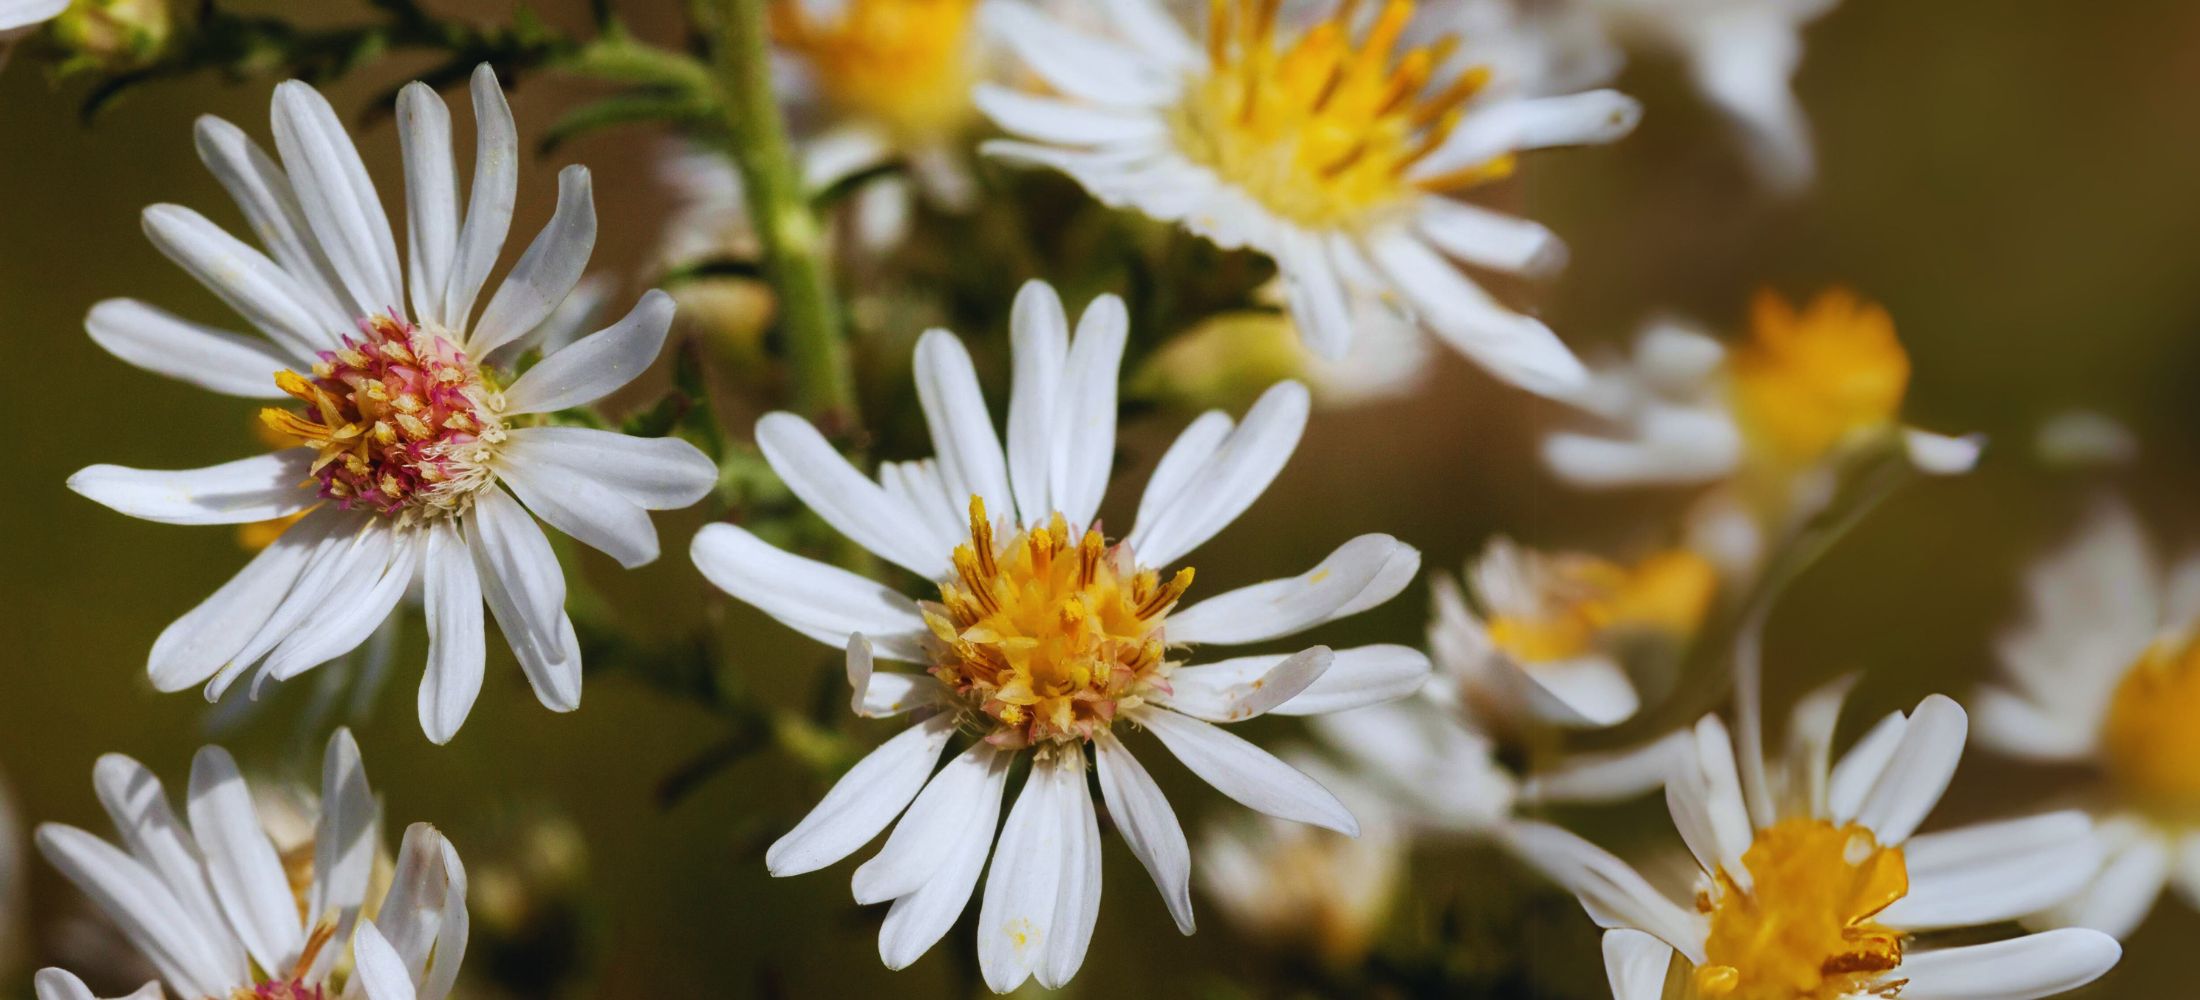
(409, 445)
(905, 66)
(1051, 638)
(1332, 148)
(218, 907)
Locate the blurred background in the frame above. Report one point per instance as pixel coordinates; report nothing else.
(2012, 179)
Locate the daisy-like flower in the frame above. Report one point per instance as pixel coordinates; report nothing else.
(411, 438)
(1814, 884)
(222, 912)
(1046, 638)
(1770, 416)
(2105, 670)
(1323, 148)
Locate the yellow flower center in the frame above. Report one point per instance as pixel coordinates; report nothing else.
(905, 65)
(1803, 928)
(2152, 736)
(1579, 601)
(1320, 128)
(1806, 382)
(1049, 636)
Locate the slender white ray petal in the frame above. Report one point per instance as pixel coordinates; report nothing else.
(546, 272)
(431, 198)
(1244, 772)
(1356, 678)
(1185, 460)
(352, 610)
(593, 513)
(1475, 235)
(854, 505)
(2017, 726)
(451, 937)
(1153, 32)
(257, 184)
(656, 473)
(166, 344)
(457, 635)
(489, 201)
(916, 488)
(525, 589)
(918, 920)
(260, 488)
(195, 646)
(1321, 305)
(597, 365)
(21, 13)
(2121, 891)
(1941, 454)
(381, 972)
(1587, 118)
(1221, 483)
(882, 695)
(1635, 963)
(58, 984)
(339, 555)
(1082, 431)
(1861, 766)
(1077, 905)
(241, 862)
(1081, 65)
(138, 804)
(969, 453)
(269, 298)
(1917, 772)
(935, 821)
(1992, 872)
(824, 602)
(1611, 777)
(1516, 348)
(1587, 692)
(1016, 919)
(1235, 701)
(1142, 814)
(1039, 343)
(338, 199)
(147, 913)
(1284, 607)
(344, 842)
(412, 915)
(1068, 122)
(863, 801)
(2036, 965)
(1613, 893)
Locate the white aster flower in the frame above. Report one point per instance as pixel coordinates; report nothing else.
(1814, 885)
(410, 432)
(1319, 148)
(1045, 637)
(216, 905)
(2104, 670)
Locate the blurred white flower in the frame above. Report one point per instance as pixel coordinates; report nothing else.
(1295, 885)
(221, 909)
(2084, 439)
(25, 13)
(1814, 883)
(1321, 147)
(1045, 636)
(410, 433)
(2104, 670)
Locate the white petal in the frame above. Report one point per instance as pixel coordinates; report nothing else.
(450, 938)
(918, 920)
(338, 199)
(882, 695)
(260, 188)
(138, 805)
(413, 914)
(1613, 893)
(1941, 455)
(1284, 607)
(1320, 304)
(1704, 796)
(969, 454)
(241, 863)
(1917, 773)
(1991, 872)
(1016, 919)
(489, 201)
(268, 297)
(1475, 235)
(2036, 965)
(1356, 678)
(1235, 700)
(656, 473)
(824, 602)
(341, 554)
(1153, 32)
(546, 273)
(143, 908)
(431, 198)
(594, 514)
(1147, 824)
(351, 612)
(1611, 777)
(22, 13)
(854, 505)
(210, 635)
(1082, 431)
(457, 643)
(1516, 348)
(1238, 471)
(935, 822)
(2120, 891)
(1046, 119)
(1039, 344)
(525, 589)
(863, 801)
(1860, 768)
(1244, 772)
(260, 488)
(1083, 66)
(2016, 726)
(58, 984)
(1635, 964)
(344, 842)
(1077, 906)
(166, 344)
(381, 972)
(597, 365)
(1185, 461)
(1590, 117)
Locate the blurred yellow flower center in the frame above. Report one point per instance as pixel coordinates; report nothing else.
(1324, 129)
(905, 65)
(1807, 381)
(1572, 602)
(1049, 635)
(1803, 928)
(2152, 736)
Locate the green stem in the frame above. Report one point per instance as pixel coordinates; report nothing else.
(824, 386)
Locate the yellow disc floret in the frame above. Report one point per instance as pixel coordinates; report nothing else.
(1050, 635)
(904, 65)
(2151, 739)
(1569, 605)
(1802, 928)
(1808, 381)
(1323, 129)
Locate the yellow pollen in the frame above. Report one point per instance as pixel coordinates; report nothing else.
(904, 64)
(1808, 381)
(2151, 739)
(1583, 600)
(1322, 129)
(1048, 635)
(1803, 929)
